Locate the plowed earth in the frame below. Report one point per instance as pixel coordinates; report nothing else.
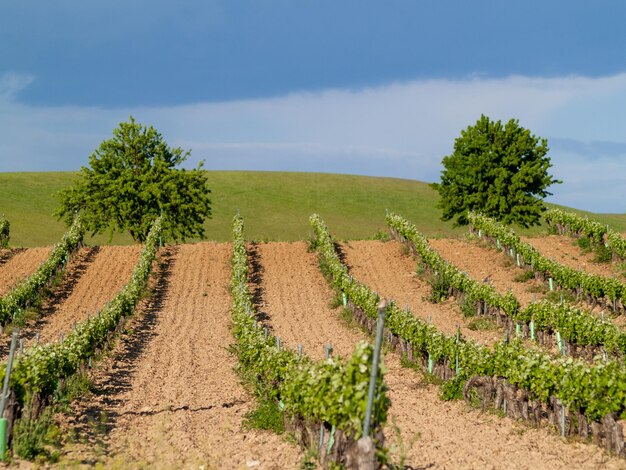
(170, 395)
(486, 264)
(20, 266)
(564, 250)
(386, 269)
(445, 434)
(94, 280)
(167, 396)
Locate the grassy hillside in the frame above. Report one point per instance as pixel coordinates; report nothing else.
(276, 206)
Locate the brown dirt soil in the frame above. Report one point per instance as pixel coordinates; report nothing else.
(7, 253)
(20, 266)
(386, 269)
(98, 275)
(449, 434)
(482, 263)
(564, 251)
(171, 396)
(293, 295)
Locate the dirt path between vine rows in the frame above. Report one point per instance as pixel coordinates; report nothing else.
(294, 295)
(172, 398)
(99, 275)
(20, 266)
(482, 263)
(563, 250)
(448, 434)
(386, 269)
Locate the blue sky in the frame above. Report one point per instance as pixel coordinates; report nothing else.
(363, 87)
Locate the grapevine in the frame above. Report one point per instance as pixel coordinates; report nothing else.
(595, 389)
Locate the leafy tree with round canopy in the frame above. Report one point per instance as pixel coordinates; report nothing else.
(133, 178)
(498, 170)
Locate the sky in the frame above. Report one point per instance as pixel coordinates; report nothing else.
(343, 86)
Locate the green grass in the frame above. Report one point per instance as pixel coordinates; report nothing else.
(275, 205)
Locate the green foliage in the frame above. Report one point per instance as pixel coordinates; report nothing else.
(40, 368)
(596, 286)
(267, 416)
(482, 324)
(36, 438)
(600, 235)
(559, 296)
(382, 235)
(332, 391)
(5, 229)
(468, 307)
(501, 170)
(28, 293)
(72, 388)
(602, 254)
(595, 388)
(440, 284)
(584, 243)
(453, 389)
(524, 276)
(132, 180)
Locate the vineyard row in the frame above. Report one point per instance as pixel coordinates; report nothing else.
(569, 223)
(28, 292)
(323, 402)
(37, 372)
(598, 289)
(577, 331)
(581, 398)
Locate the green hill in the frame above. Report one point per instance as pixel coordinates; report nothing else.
(275, 205)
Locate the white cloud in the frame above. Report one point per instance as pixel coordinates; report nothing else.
(11, 83)
(402, 129)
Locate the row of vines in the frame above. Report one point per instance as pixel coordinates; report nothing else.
(582, 332)
(583, 398)
(28, 292)
(569, 223)
(598, 289)
(37, 372)
(327, 397)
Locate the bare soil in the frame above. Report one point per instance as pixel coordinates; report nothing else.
(99, 274)
(20, 266)
(167, 395)
(388, 269)
(445, 434)
(170, 397)
(487, 265)
(565, 251)
(293, 298)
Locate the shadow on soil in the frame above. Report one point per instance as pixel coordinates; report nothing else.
(98, 417)
(182, 408)
(75, 270)
(255, 278)
(8, 253)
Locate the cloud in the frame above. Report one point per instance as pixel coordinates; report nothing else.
(589, 150)
(402, 129)
(11, 83)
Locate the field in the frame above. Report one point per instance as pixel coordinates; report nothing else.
(276, 206)
(165, 392)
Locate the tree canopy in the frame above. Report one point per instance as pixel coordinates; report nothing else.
(132, 179)
(498, 170)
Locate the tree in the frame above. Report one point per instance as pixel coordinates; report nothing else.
(133, 179)
(500, 171)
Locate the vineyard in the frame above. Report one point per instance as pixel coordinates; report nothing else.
(495, 354)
